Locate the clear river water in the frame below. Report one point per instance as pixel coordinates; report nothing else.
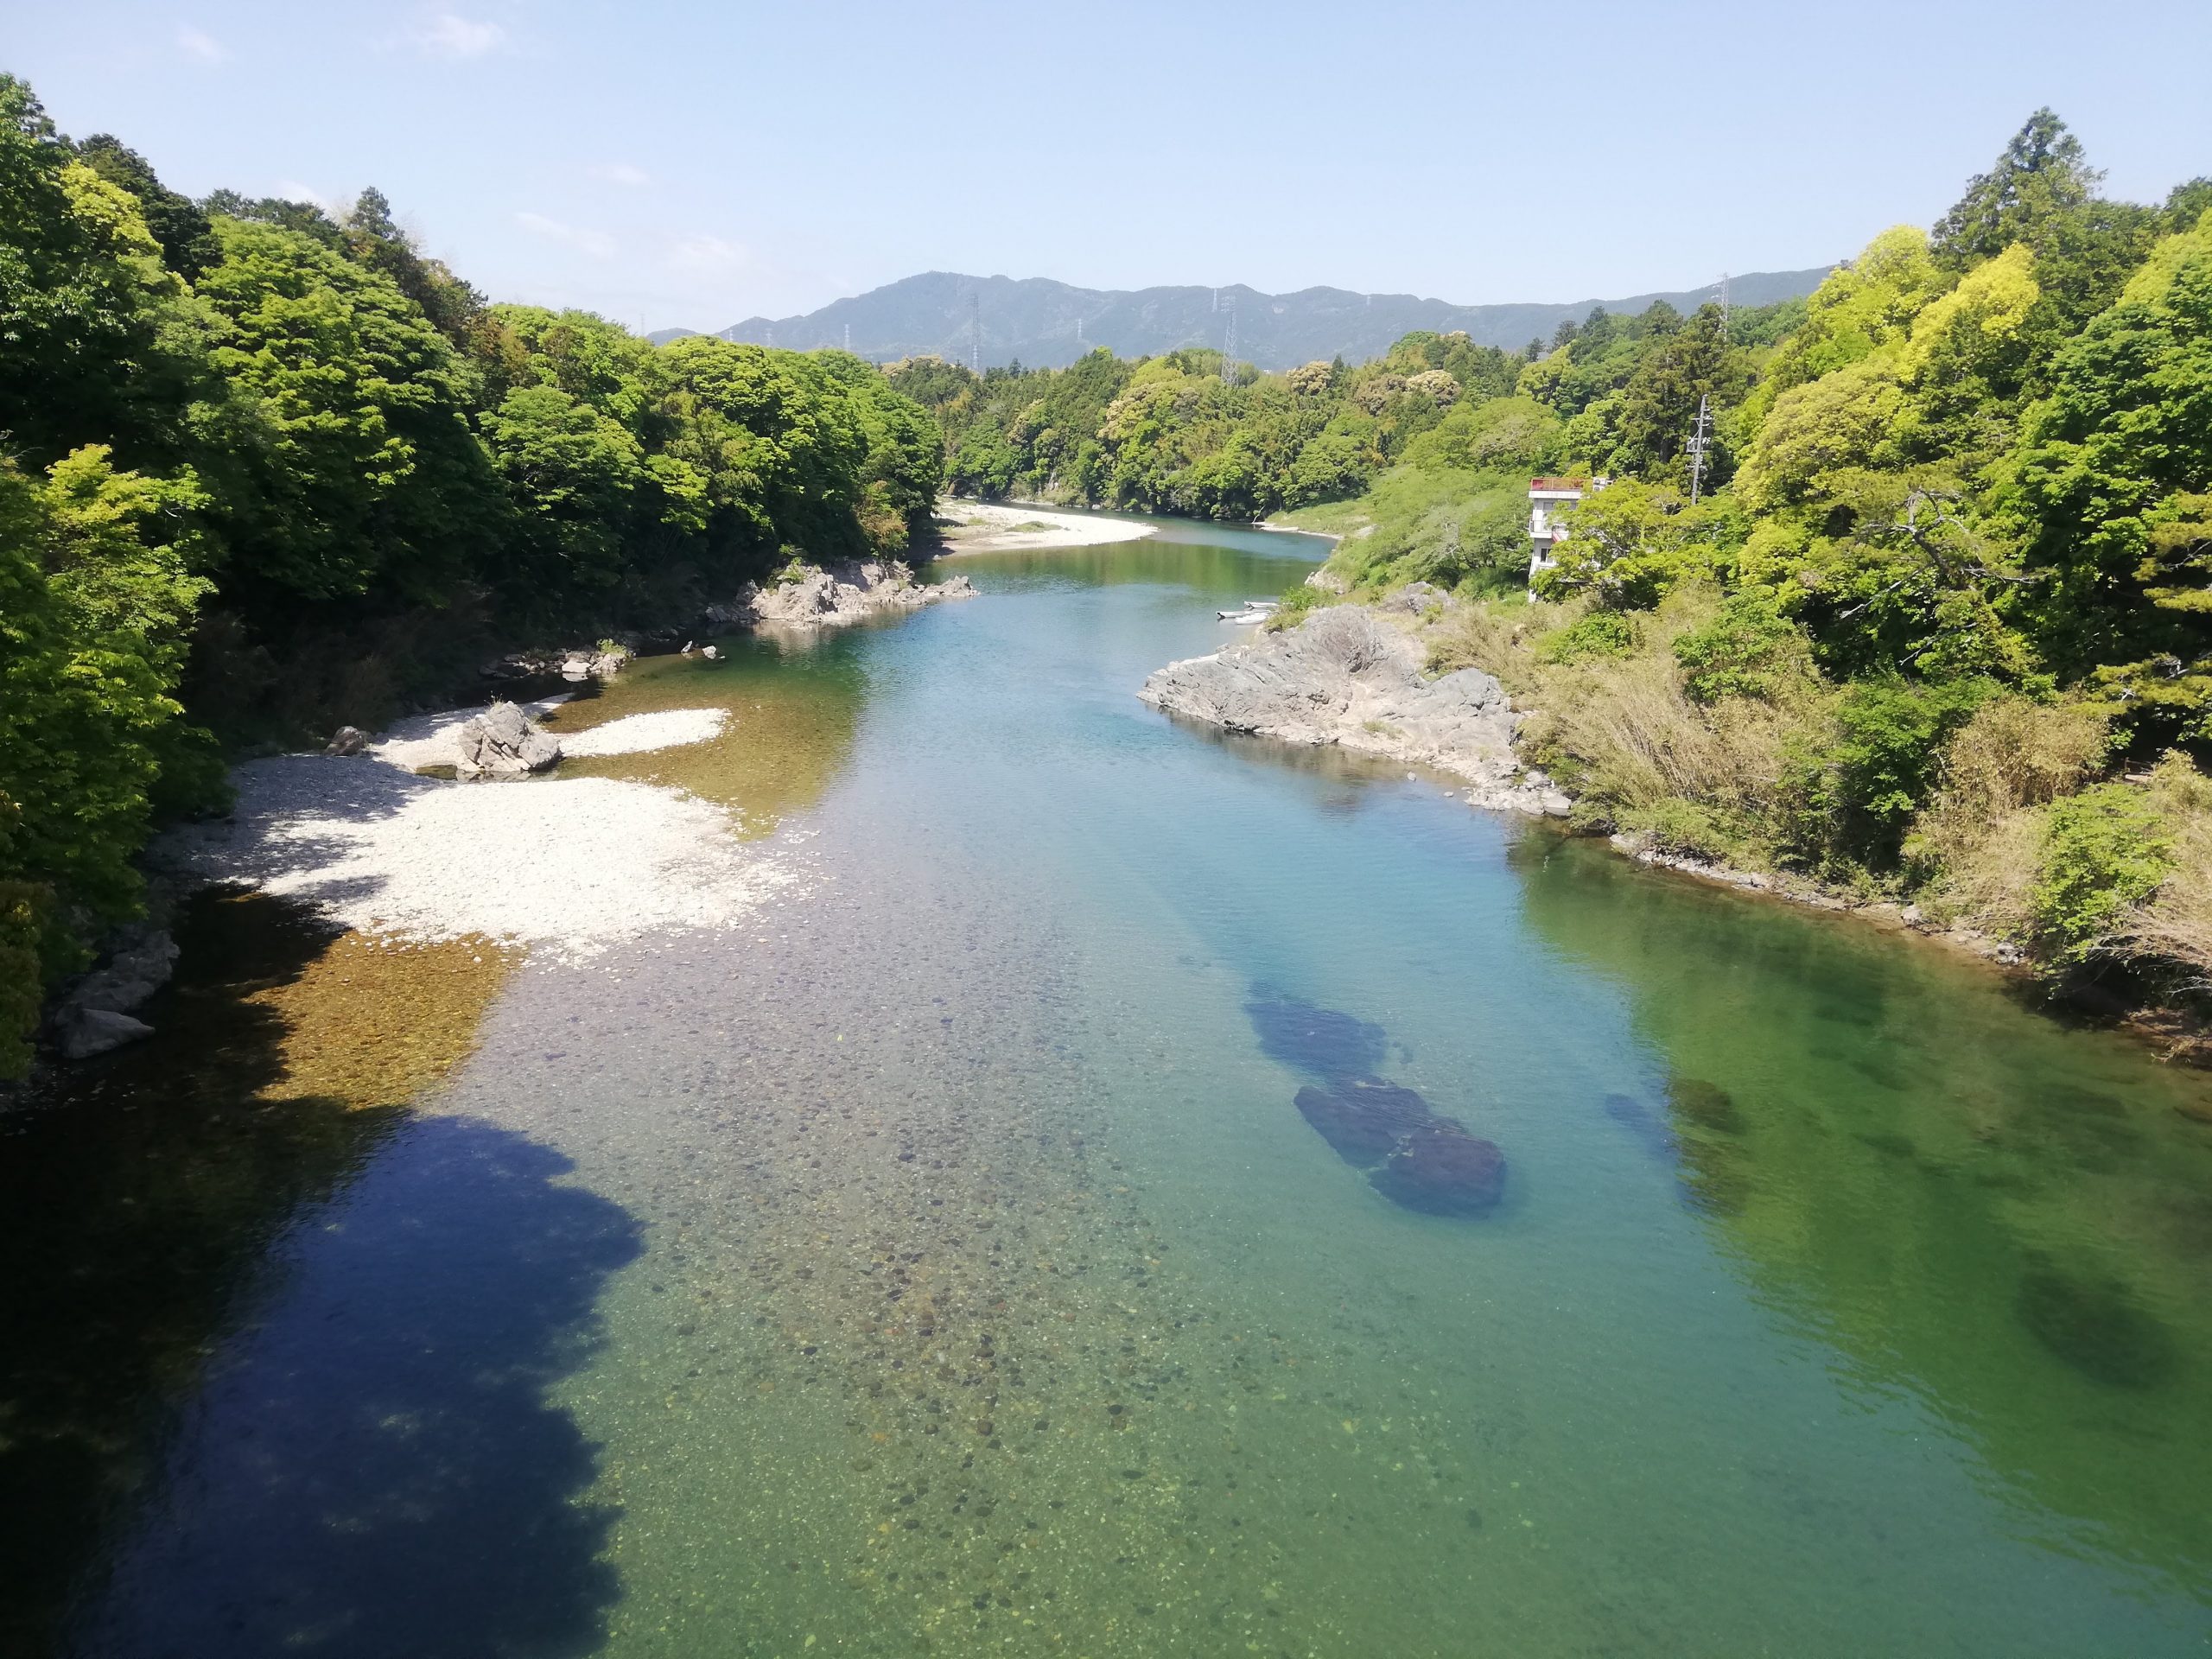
(937, 1263)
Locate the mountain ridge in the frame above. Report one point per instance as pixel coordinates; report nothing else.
(1048, 324)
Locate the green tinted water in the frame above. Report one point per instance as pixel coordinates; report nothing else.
(940, 1265)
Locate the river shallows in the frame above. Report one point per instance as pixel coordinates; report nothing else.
(938, 1264)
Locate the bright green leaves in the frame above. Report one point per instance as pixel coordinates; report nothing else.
(2104, 852)
(361, 469)
(2111, 476)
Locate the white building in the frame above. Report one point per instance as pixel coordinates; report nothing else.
(1547, 499)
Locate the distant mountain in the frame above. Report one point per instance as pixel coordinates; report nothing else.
(1048, 324)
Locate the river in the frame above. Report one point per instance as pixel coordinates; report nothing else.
(937, 1263)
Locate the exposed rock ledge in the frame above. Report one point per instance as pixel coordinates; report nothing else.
(1353, 677)
(818, 596)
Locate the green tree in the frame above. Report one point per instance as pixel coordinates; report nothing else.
(361, 467)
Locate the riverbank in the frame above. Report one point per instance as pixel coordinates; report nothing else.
(993, 527)
(1359, 678)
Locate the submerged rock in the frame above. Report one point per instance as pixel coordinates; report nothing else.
(1327, 1042)
(1706, 1104)
(1363, 1118)
(2094, 1324)
(504, 742)
(1441, 1170)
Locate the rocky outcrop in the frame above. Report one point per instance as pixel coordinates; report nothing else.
(816, 596)
(504, 742)
(573, 666)
(1355, 678)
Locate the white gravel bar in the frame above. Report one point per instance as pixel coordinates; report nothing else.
(665, 728)
(570, 866)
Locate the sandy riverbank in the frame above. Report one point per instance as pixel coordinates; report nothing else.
(992, 527)
(571, 865)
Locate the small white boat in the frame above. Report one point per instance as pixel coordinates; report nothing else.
(1257, 610)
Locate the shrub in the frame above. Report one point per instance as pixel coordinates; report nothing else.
(1598, 635)
(1977, 846)
(1683, 829)
(1851, 793)
(2105, 851)
(2175, 926)
(1739, 652)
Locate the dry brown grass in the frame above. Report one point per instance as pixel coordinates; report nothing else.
(1624, 730)
(2176, 926)
(1977, 846)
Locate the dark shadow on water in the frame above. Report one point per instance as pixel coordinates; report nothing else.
(372, 1466)
(272, 1369)
(138, 1195)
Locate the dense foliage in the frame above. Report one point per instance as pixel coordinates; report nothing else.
(257, 455)
(1952, 520)
(1940, 624)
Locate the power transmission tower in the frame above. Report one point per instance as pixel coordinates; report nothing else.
(1701, 442)
(848, 337)
(1724, 306)
(975, 333)
(1229, 347)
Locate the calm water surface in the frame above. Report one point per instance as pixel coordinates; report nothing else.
(938, 1264)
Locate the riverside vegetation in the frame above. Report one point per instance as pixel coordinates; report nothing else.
(1937, 626)
(267, 469)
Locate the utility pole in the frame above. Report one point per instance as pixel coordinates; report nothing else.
(1700, 442)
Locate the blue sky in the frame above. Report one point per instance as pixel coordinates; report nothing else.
(695, 164)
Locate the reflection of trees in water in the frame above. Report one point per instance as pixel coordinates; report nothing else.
(2009, 1218)
(1178, 563)
(138, 1208)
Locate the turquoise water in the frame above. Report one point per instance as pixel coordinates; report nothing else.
(938, 1264)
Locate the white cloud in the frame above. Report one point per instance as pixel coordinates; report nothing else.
(620, 172)
(199, 47)
(703, 256)
(449, 36)
(597, 244)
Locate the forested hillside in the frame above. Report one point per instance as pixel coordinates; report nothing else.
(1002, 321)
(266, 469)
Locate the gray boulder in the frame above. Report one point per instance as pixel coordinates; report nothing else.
(504, 742)
(347, 739)
(142, 964)
(1348, 676)
(79, 1034)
